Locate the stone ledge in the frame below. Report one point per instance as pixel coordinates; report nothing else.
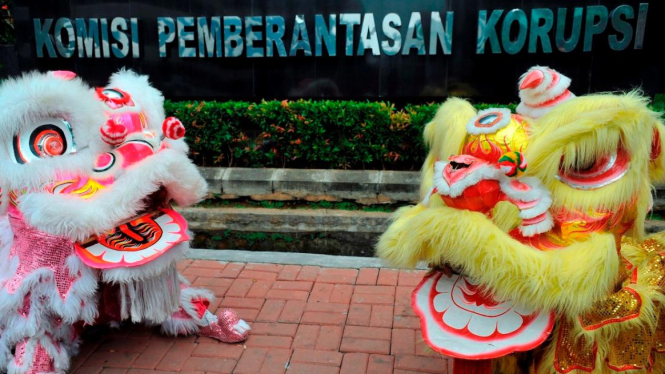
(302, 220)
(285, 220)
(364, 187)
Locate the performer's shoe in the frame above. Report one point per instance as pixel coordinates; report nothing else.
(225, 327)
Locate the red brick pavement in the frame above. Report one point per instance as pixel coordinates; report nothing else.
(304, 320)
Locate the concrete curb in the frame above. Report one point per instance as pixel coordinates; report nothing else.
(285, 220)
(363, 186)
(284, 258)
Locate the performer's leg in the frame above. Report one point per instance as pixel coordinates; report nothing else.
(195, 318)
(39, 354)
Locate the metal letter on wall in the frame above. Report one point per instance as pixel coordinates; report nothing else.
(563, 44)
(417, 42)
(87, 38)
(275, 30)
(390, 21)
(368, 37)
(487, 31)
(43, 38)
(233, 43)
(514, 46)
(185, 36)
(300, 39)
(252, 36)
(165, 33)
(120, 47)
(65, 24)
(441, 35)
(641, 25)
(623, 27)
(541, 31)
(593, 27)
(210, 39)
(325, 35)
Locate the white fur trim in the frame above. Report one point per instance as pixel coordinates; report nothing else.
(79, 219)
(471, 127)
(537, 112)
(35, 96)
(186, 297)
(175, 326)
(541, 207)
(191, 324)
(149, 270)
(537, 189)
(538, 228)
(485, 172)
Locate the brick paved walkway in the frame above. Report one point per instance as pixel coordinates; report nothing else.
(306, 320)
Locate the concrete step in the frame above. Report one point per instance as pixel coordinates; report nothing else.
(363, 186)
(321, 231)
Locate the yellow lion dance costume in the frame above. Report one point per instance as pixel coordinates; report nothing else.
(560, 248)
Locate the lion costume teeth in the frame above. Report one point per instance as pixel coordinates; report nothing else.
(589, 266)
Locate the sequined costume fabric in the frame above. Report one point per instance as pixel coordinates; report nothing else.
(615, 334)
(48, 285)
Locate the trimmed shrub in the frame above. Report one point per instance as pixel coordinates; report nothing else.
(306, 134)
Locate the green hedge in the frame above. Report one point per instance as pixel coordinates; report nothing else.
(305, 134)
(311, 134)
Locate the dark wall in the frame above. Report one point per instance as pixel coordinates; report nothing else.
(487, 77)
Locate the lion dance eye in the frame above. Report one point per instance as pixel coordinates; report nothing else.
(598, 173)
(45, 139)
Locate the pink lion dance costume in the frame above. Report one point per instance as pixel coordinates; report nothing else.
(89, 235)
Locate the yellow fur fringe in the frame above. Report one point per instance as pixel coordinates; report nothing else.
(566, 280)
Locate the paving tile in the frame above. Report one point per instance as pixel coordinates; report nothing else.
(258, 275)
(271, 310)
(274, 329)
(293, 285)
(293, 311)
(308, 273)
(422, 364)
(276, 361)
(359, 315)
(289, 272)
(300, 368)
(305, 319)
(209, 365)
(381, 364)
(306, 336)
(367, 276)
(251, 361)
(338, 276)
(387, 277)
(330, 358)
(264, 341)
(176, 356)
(354, 363)
(272, 268)
(329, 338)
